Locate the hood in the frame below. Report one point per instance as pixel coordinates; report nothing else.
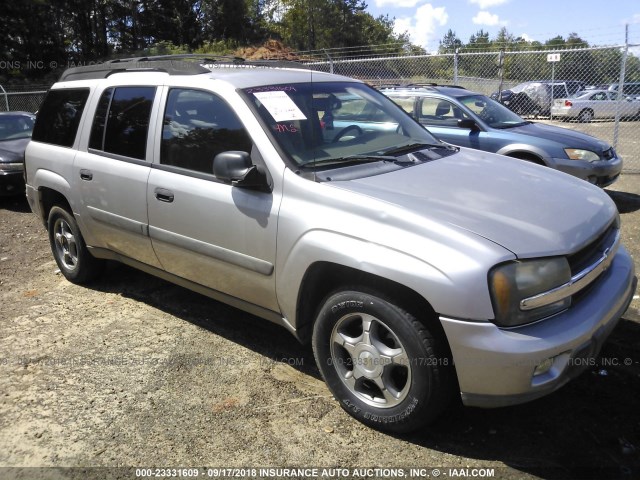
(13, 150)
(531, 210)
(565, 137)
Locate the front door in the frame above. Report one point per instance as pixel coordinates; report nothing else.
(203, 230)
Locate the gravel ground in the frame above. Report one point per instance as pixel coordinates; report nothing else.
(136, 372)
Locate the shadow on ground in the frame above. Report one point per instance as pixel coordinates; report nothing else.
(15, 204)
(588, 429)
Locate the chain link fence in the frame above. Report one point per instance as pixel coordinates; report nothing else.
(22, 98)
(535, 84)
(528, 82)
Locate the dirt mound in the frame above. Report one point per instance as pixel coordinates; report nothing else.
(270, 50)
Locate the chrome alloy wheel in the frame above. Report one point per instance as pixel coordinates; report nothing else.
(65, 244)
(370, 360)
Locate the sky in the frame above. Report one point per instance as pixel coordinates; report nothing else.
(596, 21)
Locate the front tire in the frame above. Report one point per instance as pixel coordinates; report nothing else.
(69, 250)
(384, 366)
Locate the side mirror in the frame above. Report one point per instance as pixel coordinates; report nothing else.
(235, 167)
(467, 123)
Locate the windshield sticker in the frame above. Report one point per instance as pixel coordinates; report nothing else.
(280, 106)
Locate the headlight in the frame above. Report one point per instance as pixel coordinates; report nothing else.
(11, 167)
(579, 154)
(510, 283)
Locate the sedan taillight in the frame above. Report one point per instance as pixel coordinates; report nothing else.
(567, 103)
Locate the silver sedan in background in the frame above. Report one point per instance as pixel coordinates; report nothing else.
(588, 105)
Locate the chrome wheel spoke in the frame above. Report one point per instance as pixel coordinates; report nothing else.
(367, 322)
(388, 395)
(345, 342)
(400, 357)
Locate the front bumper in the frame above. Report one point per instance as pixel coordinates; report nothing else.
(601, 173)
(495, 367)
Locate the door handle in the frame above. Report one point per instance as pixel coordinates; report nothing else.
(86, 175)
(164, 195)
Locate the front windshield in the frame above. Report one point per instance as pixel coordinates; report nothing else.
(335, 121)
(13, 127)
(491, 112)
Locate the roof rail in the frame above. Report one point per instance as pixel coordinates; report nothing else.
(182, 64)
(418, 85)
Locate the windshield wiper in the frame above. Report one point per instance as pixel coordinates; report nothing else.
(350, 160)
(417, 146)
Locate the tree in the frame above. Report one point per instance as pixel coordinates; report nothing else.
(450, 42)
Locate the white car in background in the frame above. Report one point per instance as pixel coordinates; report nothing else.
(588, 105)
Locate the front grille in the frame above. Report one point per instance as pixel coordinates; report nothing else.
(589, 255)
(593, 251)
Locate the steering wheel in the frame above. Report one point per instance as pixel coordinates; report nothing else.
(345, 130)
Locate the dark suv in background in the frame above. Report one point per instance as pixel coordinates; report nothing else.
(536, 97)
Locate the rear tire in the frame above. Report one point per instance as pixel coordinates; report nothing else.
(585, 116)
(69, 250)
(385, 368)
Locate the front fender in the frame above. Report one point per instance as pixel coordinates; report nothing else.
(513, 149)
(445, 293)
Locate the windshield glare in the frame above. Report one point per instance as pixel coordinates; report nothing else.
(324, 121)
(491, 112)
(13, 127)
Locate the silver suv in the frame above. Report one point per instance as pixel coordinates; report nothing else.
(417, 270)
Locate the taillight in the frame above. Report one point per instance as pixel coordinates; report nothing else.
(567, 103)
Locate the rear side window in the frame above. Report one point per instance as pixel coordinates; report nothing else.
(59, 116)
(121, 121)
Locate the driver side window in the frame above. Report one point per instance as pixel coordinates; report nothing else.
(197, 126)
(435, 111)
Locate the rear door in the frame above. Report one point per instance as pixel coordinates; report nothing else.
(111, 175)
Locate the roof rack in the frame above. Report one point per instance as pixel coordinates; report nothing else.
(183, 64)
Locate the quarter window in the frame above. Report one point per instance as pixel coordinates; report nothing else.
(121, 122)
(59, 116)
(197, 126)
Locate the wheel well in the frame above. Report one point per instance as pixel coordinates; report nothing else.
(529, 157)
(49, 198)
(322, 278)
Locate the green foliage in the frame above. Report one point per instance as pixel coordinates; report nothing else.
(36, 35)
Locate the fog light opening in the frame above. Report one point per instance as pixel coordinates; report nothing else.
(543, 367)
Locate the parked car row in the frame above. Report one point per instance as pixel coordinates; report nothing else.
(588, 105)
(538, 97)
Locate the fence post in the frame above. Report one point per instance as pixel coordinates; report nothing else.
(455, 67)
(616, 125)
(500, 73)
(330, 60)
(6, 97)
